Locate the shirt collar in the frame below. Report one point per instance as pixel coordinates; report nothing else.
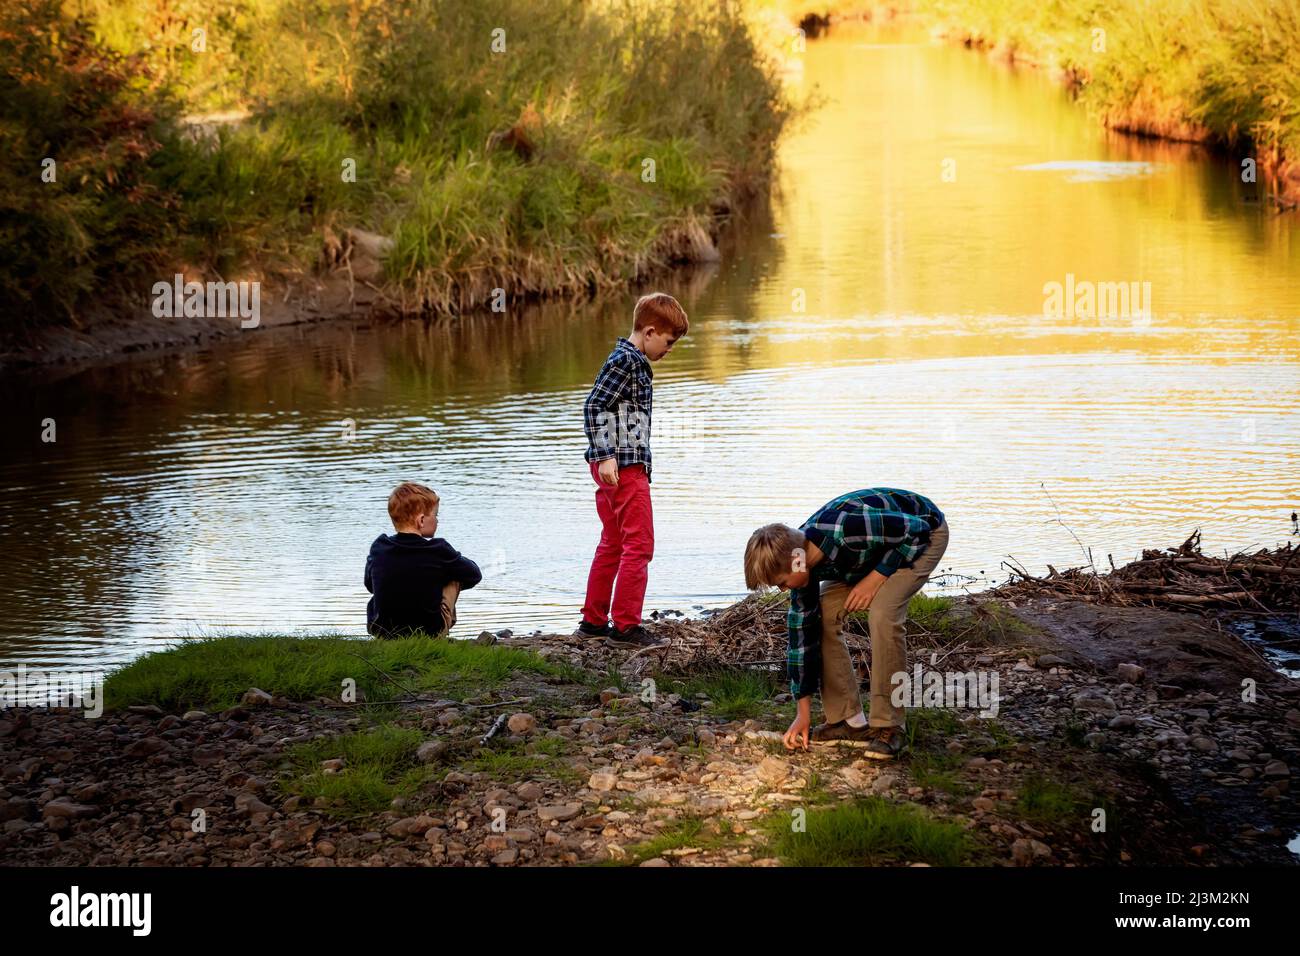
(626, 345)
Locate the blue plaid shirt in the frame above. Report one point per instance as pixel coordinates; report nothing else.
(875, 529)
(616, 415)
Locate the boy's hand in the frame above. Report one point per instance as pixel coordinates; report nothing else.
(609, 471)
(802, 724)
(862, 593)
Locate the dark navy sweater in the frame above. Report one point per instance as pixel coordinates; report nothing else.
(406, 573)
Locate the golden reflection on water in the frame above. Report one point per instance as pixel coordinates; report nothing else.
(877, 325)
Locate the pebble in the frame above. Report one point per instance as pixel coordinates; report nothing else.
(522, 723)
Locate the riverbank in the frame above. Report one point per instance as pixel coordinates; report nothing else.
(435, 159)
(1208, 72)
(1120, 737)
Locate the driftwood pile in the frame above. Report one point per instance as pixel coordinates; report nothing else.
(1181, 578)
(749, 633)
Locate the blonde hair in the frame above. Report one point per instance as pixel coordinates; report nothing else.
(409, 500)
(660, 311)
(771, 552)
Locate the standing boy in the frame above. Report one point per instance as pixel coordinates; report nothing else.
(868, 549)
(616, 418)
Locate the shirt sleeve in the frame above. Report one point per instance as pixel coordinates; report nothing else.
(804, 653)
(599, 418)
(369, 584)
(465, 571)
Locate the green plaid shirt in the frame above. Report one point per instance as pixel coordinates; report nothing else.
(875, 529)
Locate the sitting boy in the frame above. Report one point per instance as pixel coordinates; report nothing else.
(868, 549)
(414, 577)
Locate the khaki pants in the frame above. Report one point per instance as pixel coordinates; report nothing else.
(885, 619)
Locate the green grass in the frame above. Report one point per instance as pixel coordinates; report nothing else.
(868, 832)
(379, 765)
(736, 694)
(214, 673)
(1230, 66)
(687, 832)
(522, 762)
(1046, 801)
(411, 92)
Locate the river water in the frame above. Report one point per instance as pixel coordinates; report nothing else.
(884, 323)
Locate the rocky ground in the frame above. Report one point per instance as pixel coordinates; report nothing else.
(1097, 711)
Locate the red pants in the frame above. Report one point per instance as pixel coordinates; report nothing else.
(627, 543)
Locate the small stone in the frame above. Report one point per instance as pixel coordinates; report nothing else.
(603, 781)
(984, 804)
(146, 746)
(530, 791)
(255, 697)
(192, 715)
(558, 813)
(332, 766)
(68, 809)
(657, 861)
(1276, 769)
(247, 802)
(506, 857)
(884, 783)
(1094, 701)
(1130, 673)
(431, 751)
(485, 637)
(773, 770)
(1121, 722)
(1204, 744)
(705, 737)
(1050, 660)
(522, 723)
(1025, 852)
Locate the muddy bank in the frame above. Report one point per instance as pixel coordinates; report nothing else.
(1137, 714)
(351, 290)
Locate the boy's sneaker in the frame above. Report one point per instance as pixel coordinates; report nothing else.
(886, 743)
(634, 637)
(842, 733)
(587, 629)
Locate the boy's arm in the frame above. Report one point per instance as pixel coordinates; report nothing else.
(804, 651)
(599, 414)
(369, 584)
(451, 565)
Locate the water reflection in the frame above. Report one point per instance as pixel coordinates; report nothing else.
(879, 324)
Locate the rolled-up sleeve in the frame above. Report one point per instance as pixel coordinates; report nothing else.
(804, 651)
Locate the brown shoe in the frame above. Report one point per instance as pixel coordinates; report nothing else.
(841, 732)
(886, 743)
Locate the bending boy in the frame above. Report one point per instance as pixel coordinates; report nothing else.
(873, 549)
